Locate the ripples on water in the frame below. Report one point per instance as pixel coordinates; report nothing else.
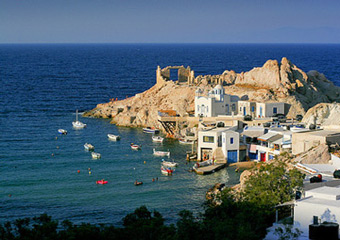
(43, 85)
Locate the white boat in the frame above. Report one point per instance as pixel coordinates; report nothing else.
(113, 137)
(185, 141)
(161, 153)
(88, 147)
(135, 146)
(169, 164)
(96, 155)
(203, 164)
(166, 171)
(62, 131)
(151, 130)
(157, 139)
(77, 124)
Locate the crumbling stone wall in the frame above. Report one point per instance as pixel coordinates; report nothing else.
(185, 75)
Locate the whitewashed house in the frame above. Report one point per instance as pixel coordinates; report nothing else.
(269, 109)
(216, 103)
(224, 140)
(273, 143)
(247, 108)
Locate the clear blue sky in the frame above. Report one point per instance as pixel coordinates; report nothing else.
(173, 21)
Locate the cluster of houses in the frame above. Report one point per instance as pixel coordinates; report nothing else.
(238, 140)
(254, 141)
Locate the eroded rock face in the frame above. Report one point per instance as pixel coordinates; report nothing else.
(274, 81)
(326, 114)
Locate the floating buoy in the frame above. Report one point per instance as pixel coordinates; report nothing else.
(89, 172)
(52, 154)
(56, 138)
(10, 195)
(57, 147)
(89, 169)
(144, 162)
(78, 171)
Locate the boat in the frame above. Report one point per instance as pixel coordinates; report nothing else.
(88, 147)
(169, 164)
(62, 131)
(138, 183)
(102, 181)
(77, 124)
(157, 139)
(166, 171)
(203, 164)
(135, 146)
(113, 137)
(161, 153)
(185, 141)
(96, 155)
(151, 130)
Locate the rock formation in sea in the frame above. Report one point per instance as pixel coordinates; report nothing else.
(274, 81)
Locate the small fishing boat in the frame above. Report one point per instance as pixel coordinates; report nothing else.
(157, 139)
(151, 130)
(77, 124)
(88, 147)
(102, 181)
(166, 171)
(161, 153)
(113, 137)
(169, 164)
(135, 146)
(62, 131)
(185, 141)
(96, 155)
(203, 164)
(138, 183)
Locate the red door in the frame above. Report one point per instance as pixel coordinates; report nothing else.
(263, 157)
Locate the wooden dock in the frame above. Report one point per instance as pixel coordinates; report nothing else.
(209, 169)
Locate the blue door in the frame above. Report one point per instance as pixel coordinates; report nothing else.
(244, 111)
(232, 156)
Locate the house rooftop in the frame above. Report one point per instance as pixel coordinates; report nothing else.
(324, 192)
(323, 133)
(270, 136)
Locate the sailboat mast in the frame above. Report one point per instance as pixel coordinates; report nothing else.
(77, 115)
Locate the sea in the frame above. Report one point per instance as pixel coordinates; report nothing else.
(42, 86)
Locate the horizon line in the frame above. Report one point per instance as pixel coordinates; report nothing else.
(168, 43)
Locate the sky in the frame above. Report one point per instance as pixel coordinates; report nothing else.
(175, 21)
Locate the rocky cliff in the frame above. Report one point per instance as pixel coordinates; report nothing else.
(325, 114)
(274, 81)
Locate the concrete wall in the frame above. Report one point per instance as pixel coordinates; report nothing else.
(302, 142)
(267, 109)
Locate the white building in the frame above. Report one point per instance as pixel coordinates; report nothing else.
(260, 110)
(269, 109)
(224, 140)
(273, 143)
(216, 103)
(323, 202)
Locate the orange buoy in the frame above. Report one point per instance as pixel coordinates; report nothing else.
(78, 171)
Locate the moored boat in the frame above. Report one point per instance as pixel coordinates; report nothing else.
(113, 137)
(102, 181)
(62, 131)
(96, 155)
(77, 124)
(185, 141)
(161, 153)
(166, 171)
(157, 139)
(151, 130)
(135, 146)
(169, 164)
(88, 147)
(137, 183)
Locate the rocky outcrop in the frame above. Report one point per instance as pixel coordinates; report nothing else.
(142, 109)
(274, 81)
(325, 114)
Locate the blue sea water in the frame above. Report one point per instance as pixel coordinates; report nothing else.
(41, 86)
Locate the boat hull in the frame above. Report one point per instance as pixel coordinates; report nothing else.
(113, 137)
